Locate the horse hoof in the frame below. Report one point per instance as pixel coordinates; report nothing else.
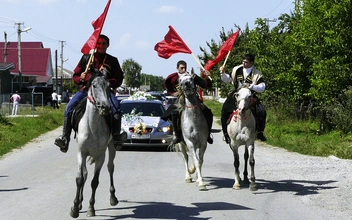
(202, 188)
(188, 180)
(253, 187)
(114, 201)
(74, 214)
(236, 186)
(90, 213)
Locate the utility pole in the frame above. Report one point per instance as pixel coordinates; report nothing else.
(267, 20)
(56, 70)
(19, 31)
(5, 47)
(62, 57)
(19, 56)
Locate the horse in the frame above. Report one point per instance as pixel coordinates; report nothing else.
(194, 128)
(242, 131)
(93, 138)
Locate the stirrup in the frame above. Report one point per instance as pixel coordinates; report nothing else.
(226, 138)
(210, 139)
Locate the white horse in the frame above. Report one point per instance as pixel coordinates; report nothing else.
(194, 129)
(241, 130)
(93, 138)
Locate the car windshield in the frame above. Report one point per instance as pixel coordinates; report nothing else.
(147, 108)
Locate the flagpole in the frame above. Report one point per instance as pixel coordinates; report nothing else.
(227, 56)
(197, 60)
(90, 61)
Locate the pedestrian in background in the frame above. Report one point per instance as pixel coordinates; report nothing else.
(54, 99)
(16, 99)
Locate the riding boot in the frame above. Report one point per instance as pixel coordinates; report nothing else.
(209, 118)
(260, 118)
(63, 140)
(224, 117)
(118, 136)
(177, 129)
(260, 131)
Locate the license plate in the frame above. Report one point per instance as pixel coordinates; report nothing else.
(140, 136)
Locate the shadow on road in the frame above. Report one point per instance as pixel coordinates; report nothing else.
(299, 187)
(164, 210)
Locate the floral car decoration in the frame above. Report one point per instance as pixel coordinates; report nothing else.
(140, 128)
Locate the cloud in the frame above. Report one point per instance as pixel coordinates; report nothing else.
(124, 40)
(169, 9)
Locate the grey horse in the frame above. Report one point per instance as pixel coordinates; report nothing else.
(194, 129)
(93, 138)
(241, 129)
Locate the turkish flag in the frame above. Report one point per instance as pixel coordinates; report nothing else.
(225, 48)
(98, 27)
(171, 44)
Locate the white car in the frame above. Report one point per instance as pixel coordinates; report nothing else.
(141, 120)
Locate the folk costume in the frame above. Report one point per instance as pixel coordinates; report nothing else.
(115, 76)
(253, 78)
(172, 86)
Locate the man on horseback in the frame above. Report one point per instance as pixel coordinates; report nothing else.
(172, 86)
(246, 73)
(81, 77)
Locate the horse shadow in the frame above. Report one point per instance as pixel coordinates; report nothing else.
(165, 210)
(12, 190)
(298, 187)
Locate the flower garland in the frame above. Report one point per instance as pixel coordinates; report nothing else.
(140, 95)
(140, 128)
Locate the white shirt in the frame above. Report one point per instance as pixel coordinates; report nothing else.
(54, 96)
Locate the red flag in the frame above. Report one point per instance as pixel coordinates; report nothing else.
(98, 26)
(171, 44)
(225, 48)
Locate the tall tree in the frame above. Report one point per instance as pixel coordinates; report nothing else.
(132, 72)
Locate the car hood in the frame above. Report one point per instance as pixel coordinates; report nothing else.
(148, 120)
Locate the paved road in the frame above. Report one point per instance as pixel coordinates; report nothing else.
(38, 182)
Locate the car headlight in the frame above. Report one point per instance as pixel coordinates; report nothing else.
(164, 129)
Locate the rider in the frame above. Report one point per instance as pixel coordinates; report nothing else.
(172, 85)
(244, 73)
(80, 77)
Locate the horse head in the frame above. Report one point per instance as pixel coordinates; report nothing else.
(186, 82)
(243, 97)
(99, 91)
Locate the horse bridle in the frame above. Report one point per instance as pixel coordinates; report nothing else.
(194, 89)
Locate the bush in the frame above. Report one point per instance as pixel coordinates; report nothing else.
(339, 113)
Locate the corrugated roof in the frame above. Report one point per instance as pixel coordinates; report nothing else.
(35, 59)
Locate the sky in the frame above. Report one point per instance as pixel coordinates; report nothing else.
(133, 26)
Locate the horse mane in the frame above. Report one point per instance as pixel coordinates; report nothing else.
(180, 104)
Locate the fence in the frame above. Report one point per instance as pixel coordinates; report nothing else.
(29, 104)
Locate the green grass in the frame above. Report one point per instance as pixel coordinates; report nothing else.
(17, 131)
(302, 137)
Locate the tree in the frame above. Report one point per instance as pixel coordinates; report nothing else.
(132, 71)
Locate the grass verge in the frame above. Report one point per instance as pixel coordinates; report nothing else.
(17, 131)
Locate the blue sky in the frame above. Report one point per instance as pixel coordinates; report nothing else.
(134, 26)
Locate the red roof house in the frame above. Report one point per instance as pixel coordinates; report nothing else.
(36, 63)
